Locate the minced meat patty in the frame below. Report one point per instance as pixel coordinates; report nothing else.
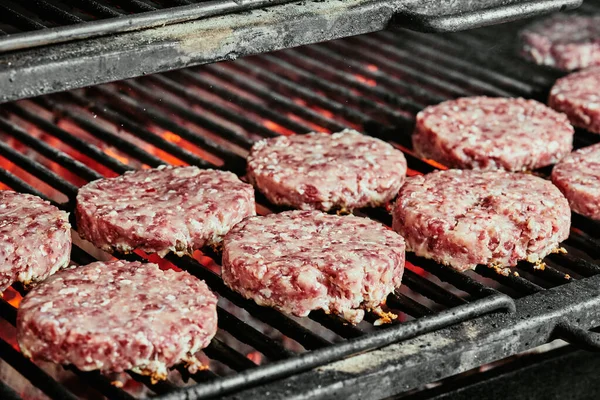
(566, 42)
(35, 239)
(317, 171)
(177, 209)
(299, 261)
(463, 218)
(489, 133)
(117, 316)
(578, 177)
(578, 97)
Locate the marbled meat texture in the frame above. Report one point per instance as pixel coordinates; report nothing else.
(117, 316)
(299, 261)
(578, 177)
(577, 96)
(566, 42)
(345, 170)
(35, 239)
(463, 218)
(489, 133)
(177, 209)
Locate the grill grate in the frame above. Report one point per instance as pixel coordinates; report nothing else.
(210, 116)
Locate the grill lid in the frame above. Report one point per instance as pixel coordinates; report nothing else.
(53, 45)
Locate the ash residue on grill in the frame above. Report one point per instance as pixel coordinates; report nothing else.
(210, 116)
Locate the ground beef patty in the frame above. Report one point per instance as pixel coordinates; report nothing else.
(567, 42)
(578, 177)
(464, 218)
(577, 96)
(35, 239)
(318, 171)
(492, 133)
(159, 210)
(299, 261)
(118, 316)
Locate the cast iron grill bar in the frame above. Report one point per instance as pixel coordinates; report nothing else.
(303, 57)
(13, 17)
(410, 307)
(37, 170)
(490, 60)
(307, 76)
(90, 150)
(430, 289)
(247, 334)
(133, 106)
(94, 8)
(224, 353)
(185, 92)
(276, 99)
(107, 111)
(189, 115)
(210, 85)
(434, 68)
(63, 17)
(48, 151)
(455, 63)
(376, 74)
(401, 69)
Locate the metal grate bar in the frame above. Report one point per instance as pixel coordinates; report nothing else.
(408, 305)
(194, 117)
(372, 71)
(206, 84)
(430, 289)
(37, 170)
(193, 97)
(89, 150)
(95, 8)
(247, 334)
(106, 111)
(48, 151)
(222, 352)
(47, 9)
(132, 107)
(7, 393)
(304, 57)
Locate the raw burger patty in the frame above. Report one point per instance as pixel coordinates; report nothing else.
(577, 95)
(465, 218)
(567, 42)
(118, 316)
(318, 171)
(299, 261)
(578, 177)
(35, 239)
(159, 210)
(492, 133)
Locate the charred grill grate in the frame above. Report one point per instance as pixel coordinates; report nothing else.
(210, 116)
